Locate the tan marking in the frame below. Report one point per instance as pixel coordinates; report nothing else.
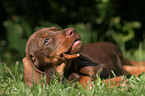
(45, 35)
(134, 70)
(137, 63)
(60, 68)
(71, 56)
(116, 82)
(54, 28)
(86, 82)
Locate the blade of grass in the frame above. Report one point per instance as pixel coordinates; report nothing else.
(140, 54)
(1, 70)
(9, 71)
(16, 70)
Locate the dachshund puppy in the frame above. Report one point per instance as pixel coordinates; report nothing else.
(52, 51)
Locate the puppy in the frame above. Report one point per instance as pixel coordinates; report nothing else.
(49, 50)
(52, 51)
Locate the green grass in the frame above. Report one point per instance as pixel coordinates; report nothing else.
(12, 84)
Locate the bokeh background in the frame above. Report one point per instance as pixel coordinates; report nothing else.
(119, 21)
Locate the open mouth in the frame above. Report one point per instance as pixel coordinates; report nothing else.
(73, 51)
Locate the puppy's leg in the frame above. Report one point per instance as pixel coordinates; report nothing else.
(137, 63)
(134, 70)
(85, 81)
(87, 75)
(115, 82)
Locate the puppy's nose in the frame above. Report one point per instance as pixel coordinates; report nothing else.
(70, 32)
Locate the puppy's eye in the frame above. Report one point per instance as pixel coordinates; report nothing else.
(47, 40)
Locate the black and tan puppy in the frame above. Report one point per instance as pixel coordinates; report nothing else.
(50, 51)
(47, 51)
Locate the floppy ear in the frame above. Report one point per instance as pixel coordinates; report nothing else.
(31, 75)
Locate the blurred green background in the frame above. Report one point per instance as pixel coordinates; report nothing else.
(119, 21)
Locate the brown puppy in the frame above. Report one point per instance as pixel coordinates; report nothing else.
(50, 51)
(47, 51)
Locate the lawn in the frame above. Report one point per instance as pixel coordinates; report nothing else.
(12, 84)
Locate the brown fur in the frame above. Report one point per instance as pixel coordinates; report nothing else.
(51, 51)
(44, 51)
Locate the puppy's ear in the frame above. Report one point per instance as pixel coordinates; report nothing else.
(31, 75)
(28, 71)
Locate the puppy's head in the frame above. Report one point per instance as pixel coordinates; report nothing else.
(49, 47)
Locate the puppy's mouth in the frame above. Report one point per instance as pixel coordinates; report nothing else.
(73, 51)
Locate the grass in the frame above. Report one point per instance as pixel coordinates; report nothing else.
(12, 84)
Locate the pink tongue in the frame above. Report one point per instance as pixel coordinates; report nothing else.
(76, 46)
